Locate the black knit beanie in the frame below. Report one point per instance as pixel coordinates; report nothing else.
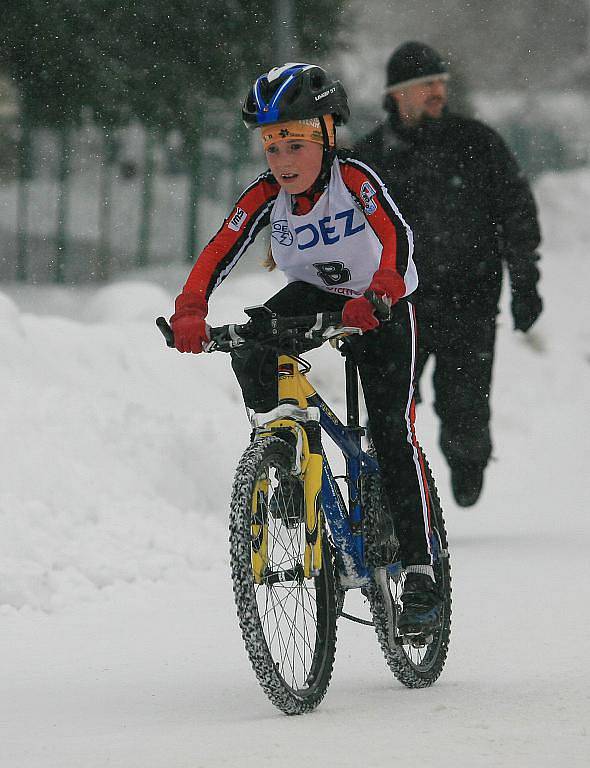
(412, 62)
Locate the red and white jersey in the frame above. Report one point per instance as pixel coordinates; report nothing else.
(353, 229)
(334, 246)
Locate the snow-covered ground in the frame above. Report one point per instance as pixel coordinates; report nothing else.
(118, 640)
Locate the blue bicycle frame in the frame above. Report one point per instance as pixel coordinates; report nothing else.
(345, 521)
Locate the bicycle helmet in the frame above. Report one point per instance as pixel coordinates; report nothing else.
(294, 92)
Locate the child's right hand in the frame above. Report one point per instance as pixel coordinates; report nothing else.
(188, 323)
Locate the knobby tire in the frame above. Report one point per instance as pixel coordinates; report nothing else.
(416, 668)
(289, 628)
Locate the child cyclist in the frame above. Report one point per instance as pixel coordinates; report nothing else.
(335, 232)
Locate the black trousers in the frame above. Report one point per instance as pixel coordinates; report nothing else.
(385, 358)
(462, 343)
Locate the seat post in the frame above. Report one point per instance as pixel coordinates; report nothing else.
(353, 466)
(352, 390)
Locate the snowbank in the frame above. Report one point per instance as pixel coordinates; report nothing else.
(117, 453)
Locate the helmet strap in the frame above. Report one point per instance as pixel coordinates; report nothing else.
(329, 152)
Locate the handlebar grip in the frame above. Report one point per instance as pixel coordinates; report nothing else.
(166, 330)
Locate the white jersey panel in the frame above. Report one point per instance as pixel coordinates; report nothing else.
(332, 247)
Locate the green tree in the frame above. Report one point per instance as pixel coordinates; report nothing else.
(155, 60)
(164, 63)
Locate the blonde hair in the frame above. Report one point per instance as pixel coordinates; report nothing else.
(268, 262)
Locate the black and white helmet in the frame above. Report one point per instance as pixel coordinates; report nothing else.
(294, 92)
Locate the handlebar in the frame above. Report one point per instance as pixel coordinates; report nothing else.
(288, 334)
(165, 330)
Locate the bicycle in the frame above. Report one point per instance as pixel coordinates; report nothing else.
(296, 546)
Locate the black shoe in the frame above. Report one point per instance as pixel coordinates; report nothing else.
(467, 482)
(422, 606)
(287, 501)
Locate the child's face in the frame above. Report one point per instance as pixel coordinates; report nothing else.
(295, 163)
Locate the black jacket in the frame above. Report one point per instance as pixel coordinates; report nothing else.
(469, 206)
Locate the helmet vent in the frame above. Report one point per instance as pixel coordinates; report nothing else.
(293, 92)
(317, 82)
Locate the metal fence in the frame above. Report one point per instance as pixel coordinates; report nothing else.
(82, 205)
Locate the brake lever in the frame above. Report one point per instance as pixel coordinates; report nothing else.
(382, 305)
(166, 331)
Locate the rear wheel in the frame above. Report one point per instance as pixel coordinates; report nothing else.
(419, 665)
(288, 622)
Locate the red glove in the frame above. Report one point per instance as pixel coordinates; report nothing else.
(359, 313)
(389, 285)
(188, 323)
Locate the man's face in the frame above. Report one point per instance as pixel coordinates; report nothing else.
(420, 100)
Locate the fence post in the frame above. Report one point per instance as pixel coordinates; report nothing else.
(22, 210)
(194, 164)
(63, 195)
(104, 213)
(240, 140)
(143, 244)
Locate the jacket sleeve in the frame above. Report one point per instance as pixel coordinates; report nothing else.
(515, 214)
(250, 214)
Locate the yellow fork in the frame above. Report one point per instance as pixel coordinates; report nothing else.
(260, 529)
(295, 388)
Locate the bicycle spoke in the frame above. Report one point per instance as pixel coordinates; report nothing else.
(282, 616)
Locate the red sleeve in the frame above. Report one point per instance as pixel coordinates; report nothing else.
(250, 214)
(381, 213)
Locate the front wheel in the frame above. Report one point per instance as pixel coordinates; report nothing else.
(418, 666)
(288, 622)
